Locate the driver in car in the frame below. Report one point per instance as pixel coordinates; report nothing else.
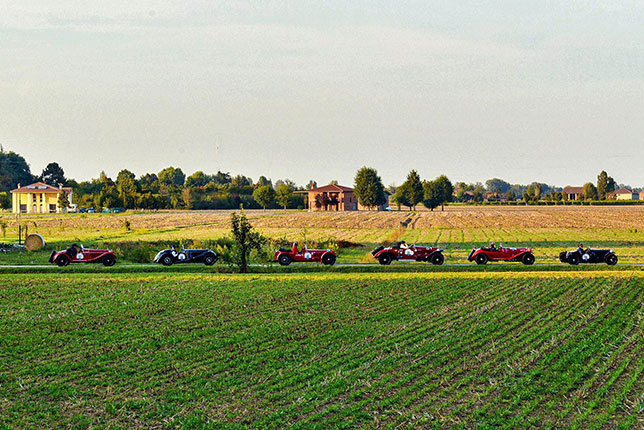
(492, 246)
(72, 251)
(294, 249)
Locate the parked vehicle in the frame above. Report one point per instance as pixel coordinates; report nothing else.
(400, 251)
(171, 256)
(83, 255)
(501, 253)
(287, 256)
(588, 255)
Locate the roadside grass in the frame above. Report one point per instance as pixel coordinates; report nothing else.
(322, 350)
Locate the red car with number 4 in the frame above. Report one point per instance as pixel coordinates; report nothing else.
(400, 251)
(502, 253)
(287, 256)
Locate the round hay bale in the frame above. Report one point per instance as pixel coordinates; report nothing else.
(34, 242)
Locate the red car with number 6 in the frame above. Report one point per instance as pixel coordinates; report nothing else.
(287, 256)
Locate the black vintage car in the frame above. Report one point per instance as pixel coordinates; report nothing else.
(171, 256)
(577, 256)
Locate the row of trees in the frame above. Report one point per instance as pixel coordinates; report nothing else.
(431, 194)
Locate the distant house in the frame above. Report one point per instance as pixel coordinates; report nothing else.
(334, 198)
(623, 194)
(572, 193)
(38, 198)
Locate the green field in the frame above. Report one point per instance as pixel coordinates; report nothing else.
(322, 350)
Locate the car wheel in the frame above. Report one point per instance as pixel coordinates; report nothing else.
(437, 259)
(527, 259)
(167, 261)
(385, 259)
(62, 260)
(284, 260)
(481, 259)
(209, 260)
(328, 259)
(109, 260)
(573, 259)
(611, 259)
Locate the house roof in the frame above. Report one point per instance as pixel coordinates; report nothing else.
(573, 190)
(331, 188)
(623, 190)
(40, 187)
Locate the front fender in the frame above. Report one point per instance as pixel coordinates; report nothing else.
(162, 254)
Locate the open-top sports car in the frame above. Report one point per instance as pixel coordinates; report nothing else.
(400, 251)
(588, 255)
(286, 256)
(501, 253)
(171, 256)
(83, 255)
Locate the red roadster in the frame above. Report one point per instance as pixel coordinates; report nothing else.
(402, 252)
(82, 255)
(501, 253)
(286, 256)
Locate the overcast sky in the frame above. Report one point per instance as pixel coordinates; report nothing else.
(548, 90)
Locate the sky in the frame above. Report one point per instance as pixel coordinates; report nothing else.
(549, 91)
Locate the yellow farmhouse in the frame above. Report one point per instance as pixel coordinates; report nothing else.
(38, 198)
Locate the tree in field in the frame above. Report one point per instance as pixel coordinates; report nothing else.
(63, 201)
(400, 197)
(14, 170)
(413, 189)
(431, 195)
(445, 190)
(605, 185)
(264, 195)
(369, 189)
(245, 240)
(589, 192)
(53, 174)
(510, 196)
(283, 195)
(171, 176)
(126, 186)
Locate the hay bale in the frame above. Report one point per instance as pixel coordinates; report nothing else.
(34, 242)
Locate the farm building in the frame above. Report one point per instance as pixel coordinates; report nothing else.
(572, 193)
(334, 198)
(624, 194)
(38, 198)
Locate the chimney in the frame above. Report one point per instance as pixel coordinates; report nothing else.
(18, 184)
(60, 186)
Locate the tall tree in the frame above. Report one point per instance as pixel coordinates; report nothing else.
(431, 194)
(14, 170)
(197, 179)
(283, 195)
(245, 240)
(172, 177)
(413, 189)
(368, 188)
(605, 185)
(53, 174)
(126, 186)
(496, 185)
(589, 191)
(264, 195)
(445, 190)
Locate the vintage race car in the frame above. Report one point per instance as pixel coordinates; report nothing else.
(83, 255)
(287, 256)
(400, 251)
(577, 256)
(171, 256)
(502, 253)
